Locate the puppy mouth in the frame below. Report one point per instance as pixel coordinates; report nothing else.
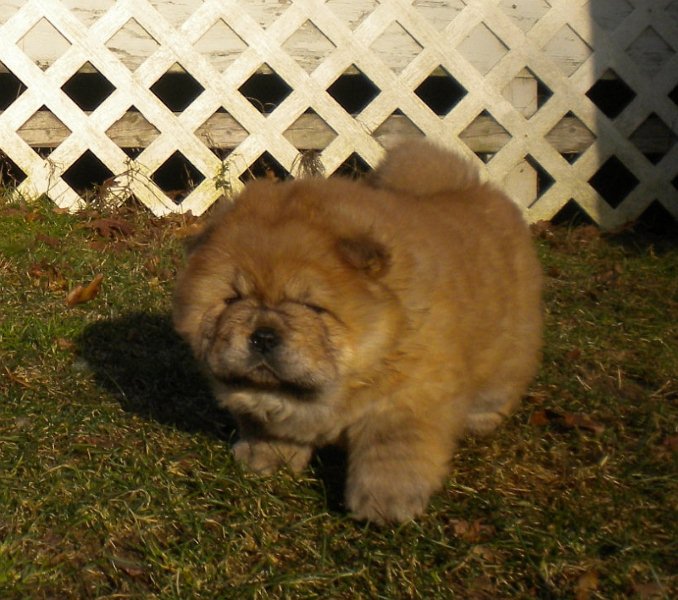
(264, 378)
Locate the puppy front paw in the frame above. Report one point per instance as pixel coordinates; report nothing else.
(267, 456)
(387, 497)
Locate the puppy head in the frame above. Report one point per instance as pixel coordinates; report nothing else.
(272, 299)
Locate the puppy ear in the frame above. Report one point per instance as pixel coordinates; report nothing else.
(365, 254)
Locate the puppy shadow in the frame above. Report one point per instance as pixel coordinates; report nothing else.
(140, 361)
(147, 367)
(330, 465)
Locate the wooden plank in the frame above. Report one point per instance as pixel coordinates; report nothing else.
(310, 132)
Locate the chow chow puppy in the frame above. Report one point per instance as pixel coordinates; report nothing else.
(390, 315)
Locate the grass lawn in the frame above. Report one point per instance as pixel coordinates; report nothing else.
(116, 479)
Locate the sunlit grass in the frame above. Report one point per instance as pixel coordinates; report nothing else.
(116, 479)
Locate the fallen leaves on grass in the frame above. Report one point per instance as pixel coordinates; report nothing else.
(565, 420)
(65, 344)
(586, 585)
(649, 591)
(472, 531)
(111, 228)
(47, 276)
(16, 377)
(84, 293)
(189, 231)
(48, 240)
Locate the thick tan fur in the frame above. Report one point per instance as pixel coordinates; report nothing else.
(392, 317)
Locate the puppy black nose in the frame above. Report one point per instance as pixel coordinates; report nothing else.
(264, 340)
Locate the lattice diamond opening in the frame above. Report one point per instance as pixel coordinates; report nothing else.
(132, 44)
(544, 179)
(177, 89)
(609, 15)
(672, 11)
(353, 91)
(11, 87)
(265, 91)
(87, 175)
(440, 92)
(10, 173)
(132, 132)
(177, 177)
(613, 181)
(352, 13)
(266, 166)
(570, 137)
(493, 48)
(265, 12)
(673, 95)
(439, 14)
(32, 131)
(567, 50)
(221, 133)
(309, 131)
(308, 164)
(485, 136)
(572, 214)
(527, 93)
(610, 94)
(396, 126)
(33, 44)
(525, 13)
(353, 167)
(656, 219)
(308, 46)
(653, 138)
(649, 51)
(396, 47)
(88, 88)
(221, 45)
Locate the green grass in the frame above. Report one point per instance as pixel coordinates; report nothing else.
(116, 479)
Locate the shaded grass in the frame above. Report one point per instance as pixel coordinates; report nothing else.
(116, 479)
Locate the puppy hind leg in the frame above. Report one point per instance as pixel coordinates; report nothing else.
(490, 409)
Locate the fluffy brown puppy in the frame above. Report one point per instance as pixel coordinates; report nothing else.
(390, 316)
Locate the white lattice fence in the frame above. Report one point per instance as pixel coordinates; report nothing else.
(564, 101)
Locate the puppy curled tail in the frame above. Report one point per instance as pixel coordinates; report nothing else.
(423, 168)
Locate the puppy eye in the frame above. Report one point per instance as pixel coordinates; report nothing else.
(315, 308)
(232, 299)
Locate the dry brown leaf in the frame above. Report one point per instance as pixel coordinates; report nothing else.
(649, 591)
(587, 583)
(472, 531)
(541, 418)
(82, 294)
(573, 354)
(190, 230)
(580, 421)
(131, 567)
(542, 229)
(48, 240)
(65, 344)
(111, 228)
